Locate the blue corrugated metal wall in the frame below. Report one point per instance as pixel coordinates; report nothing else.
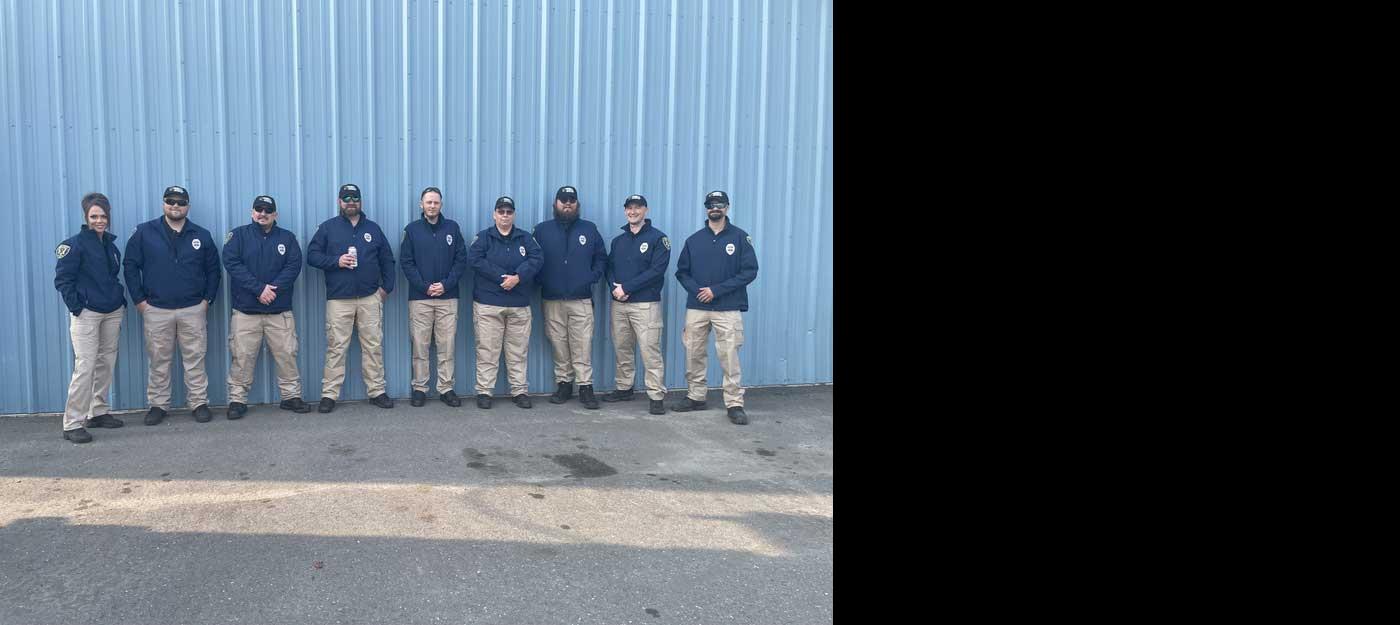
(291, 98)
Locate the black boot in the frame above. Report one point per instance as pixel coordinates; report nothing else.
(327, 405)
(688, 404)
(450, 398)
(155, 415)
(295, 404)
(522, 400)
(563, 393)
(737, 416)
(419, 398)
(78, 436)
(236, 410)
(617, 395)
(483, 401)
(657, 407)
(585, 396)
(103, 421)
(202, 415)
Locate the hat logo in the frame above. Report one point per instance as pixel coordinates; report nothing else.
(282, 249)
(195, 244)
(368, 239)
(644, 248)
(522, 250)
(449, 240)
(62, 250)
(729, 249)
(582, 240)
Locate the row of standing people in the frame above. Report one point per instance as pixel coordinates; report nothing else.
(172, 272)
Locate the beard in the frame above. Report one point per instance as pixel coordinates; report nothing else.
(564, 217)
(716, 215)
(349, 211)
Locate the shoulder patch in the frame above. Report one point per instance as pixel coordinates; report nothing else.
(228, 237)
(667, 242)
(474, 237)
(62, 250)
(749, 239)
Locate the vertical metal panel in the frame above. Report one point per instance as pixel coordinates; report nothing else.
(668, 98)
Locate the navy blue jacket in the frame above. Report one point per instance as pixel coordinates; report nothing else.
(433, 253)
(171, 273)
(707, 260)
(639, 262)
(255, 259)
(87, 272)
(574, 258)
(376, 260)
(492, 255)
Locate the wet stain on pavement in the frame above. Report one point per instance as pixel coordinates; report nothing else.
(537, 495)
(765, 452)
(477, 465)
(126, 490)
(338, 449)
(564, 526)
(654, 612)
(584, 465)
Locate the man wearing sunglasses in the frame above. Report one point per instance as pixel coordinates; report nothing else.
(359, 267)
(263, 261)
(574, 262)
(715, 267)
(172, 274)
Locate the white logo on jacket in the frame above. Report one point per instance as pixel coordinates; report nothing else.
(582, 240)
(522, 250)
(644, 248)
(368, 239)
(282, 249)
(195, 243)
(729, 249)
(449, 240)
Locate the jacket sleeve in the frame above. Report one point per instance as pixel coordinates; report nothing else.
(212, 273)
(132, 266)
(683, 271)
(459, 263)
(534, 261)
(476, 257)
(291, 268)
(386, 264)
(600, 259)
(654, 274)
(65, 279)
(748, 270)
(409, 264)
(316, 255)
(238, 274)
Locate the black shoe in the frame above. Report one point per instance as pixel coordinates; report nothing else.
(383, 401)
(236, 410)
(450, 398)
(295, 404)
(657, 407)
(737, 416)
(585, 397)
(522, 400)
(103, 421)
(483, 402)
(563, 393)
(327, 405)
(617, 395)
(155, 415)
(79, 436)
(688, 404)
(418, 399)
(202, 414)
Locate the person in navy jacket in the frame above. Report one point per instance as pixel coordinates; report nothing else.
(172, 275)
(504, 261)
(263, 261)
(715, 267)
(574, 261)
(359, 268)
(434, 258)
(637, 266)
(86, 277)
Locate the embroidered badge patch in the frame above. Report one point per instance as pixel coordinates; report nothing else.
(522, 250)
(645, 247)
(61, 250)
(449, 240)
(749, 239)
(228, 237)
(195, 244)
(582, 240)
(282, 249)
(729, 249)
(667, 242)
(368, 239)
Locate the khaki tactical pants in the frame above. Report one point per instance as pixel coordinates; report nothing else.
(496, 325)
(343, 316)
(729, 336)
(639, 323)
(426, 318)
(164, 328)
(245, 338)
(94, 337)
(569, 325)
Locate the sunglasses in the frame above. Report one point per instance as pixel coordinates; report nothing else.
(171, 202)
(715, 205)
(506, 211)
(264, 209)
(350, 199)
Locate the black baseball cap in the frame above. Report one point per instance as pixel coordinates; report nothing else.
(716, 197)
(177, 191)
(265, 200)
(635, 199)
(505, 200)
(348, 190)
(566, 193)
